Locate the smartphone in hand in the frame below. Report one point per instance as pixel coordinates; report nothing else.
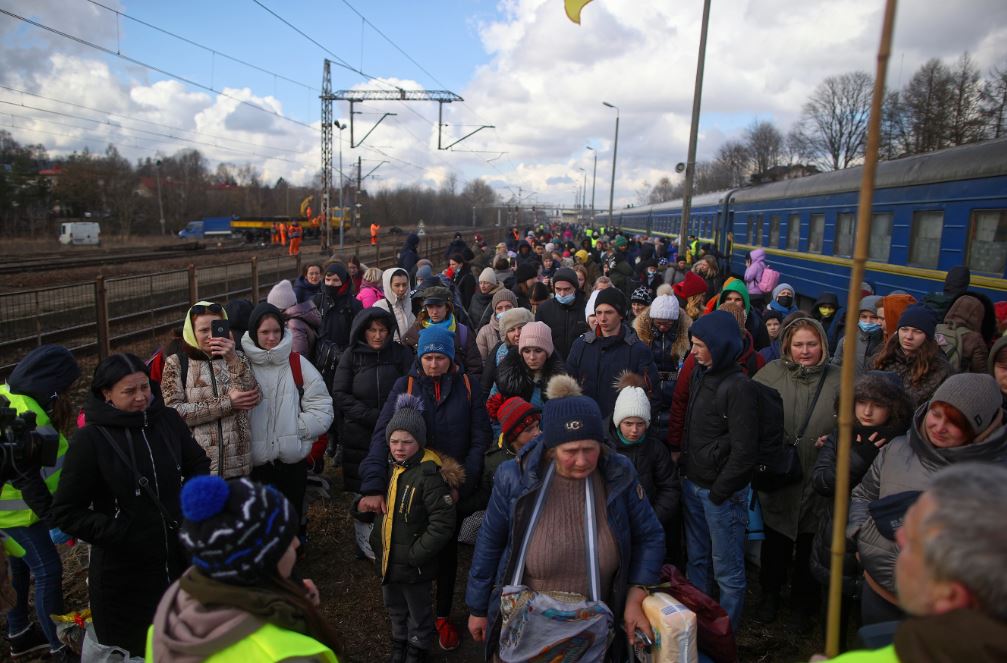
(220, 329)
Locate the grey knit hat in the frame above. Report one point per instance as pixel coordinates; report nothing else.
(976, 395)
(408, 416)
(504, 295)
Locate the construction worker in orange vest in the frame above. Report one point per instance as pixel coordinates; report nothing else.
(374, 234)
(274, 235)
(294, 233)
(283, 234)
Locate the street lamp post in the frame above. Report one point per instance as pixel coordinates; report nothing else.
(594, 178)
(583, 192)
(342, 212)
(615, 154)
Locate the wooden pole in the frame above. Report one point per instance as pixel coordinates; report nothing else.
(842, 497)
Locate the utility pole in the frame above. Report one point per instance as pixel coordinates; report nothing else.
(342, 184)
(690, 166)
(615, 153)
(160, 204)
(326, 208)
(356, 198)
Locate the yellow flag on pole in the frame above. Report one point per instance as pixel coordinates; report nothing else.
(573, 8)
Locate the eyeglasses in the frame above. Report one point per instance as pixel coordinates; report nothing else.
(200, 309)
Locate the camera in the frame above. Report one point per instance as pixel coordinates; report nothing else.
(24, 444)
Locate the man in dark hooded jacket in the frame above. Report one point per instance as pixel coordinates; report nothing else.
(408, 255)
(338, 307)
(720, 450)
(564, 313)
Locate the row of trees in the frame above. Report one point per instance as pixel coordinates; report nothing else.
(942, 105)
(37, 192)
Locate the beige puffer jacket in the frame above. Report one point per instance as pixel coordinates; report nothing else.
(210, 416)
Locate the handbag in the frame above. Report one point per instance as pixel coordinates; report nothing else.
(716, 639)
(787, 470)
(555, 626)
(142, 482)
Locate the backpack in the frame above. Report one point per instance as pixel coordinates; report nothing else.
(951, 338)
(774, 457)
(770, 279)
(465, 376)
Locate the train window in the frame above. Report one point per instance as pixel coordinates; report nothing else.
(750, 235)
(845, 222)
(988, 241)
(774, 231)
(758, 230)
(816, 233)
(881, 237)
(794, 232)
(925, 240)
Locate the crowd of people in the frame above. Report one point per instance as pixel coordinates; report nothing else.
(640, 406)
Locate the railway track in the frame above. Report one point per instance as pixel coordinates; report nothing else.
(69, 260)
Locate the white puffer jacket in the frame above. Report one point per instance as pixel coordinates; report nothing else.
(282, 428)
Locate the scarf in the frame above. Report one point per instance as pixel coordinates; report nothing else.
(447, 323)
(264, 603)
(630, 443)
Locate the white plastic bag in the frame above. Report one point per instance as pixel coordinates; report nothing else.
(95, 652)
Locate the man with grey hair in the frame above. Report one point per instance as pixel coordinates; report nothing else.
(951, 572)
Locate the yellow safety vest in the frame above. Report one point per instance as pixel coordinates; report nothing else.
(267, 645)
(13, 510)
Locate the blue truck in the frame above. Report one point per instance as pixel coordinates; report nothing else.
(211, 226)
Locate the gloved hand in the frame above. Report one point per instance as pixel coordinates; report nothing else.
(59, 537)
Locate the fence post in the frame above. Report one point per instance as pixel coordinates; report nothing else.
(193, 288)
(255, 280)
(101, 317)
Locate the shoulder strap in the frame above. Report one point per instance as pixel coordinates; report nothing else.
(143, 484)
(294, 358)
(723, 386)
(183, 369)
(814, 402)
(468, 385)
(409, 385)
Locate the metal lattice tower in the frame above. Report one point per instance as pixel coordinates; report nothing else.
(326, 208)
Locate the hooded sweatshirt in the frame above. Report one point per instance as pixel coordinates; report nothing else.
(754, 272)
(964, 320)
(400, 307)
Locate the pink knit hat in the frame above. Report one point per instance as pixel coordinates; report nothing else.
(536, 335)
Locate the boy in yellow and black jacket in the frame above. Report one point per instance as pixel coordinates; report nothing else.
(420, 520)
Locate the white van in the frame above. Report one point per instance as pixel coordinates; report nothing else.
(80, 232)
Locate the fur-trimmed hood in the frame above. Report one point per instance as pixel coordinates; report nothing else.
(515, 379)
(644, 328)
(452, 471)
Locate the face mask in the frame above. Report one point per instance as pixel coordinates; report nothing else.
(826, 311)
(498, 315)
(785, 301)
(333, 291)
(650, 273)
(566, 299)
(869, 327)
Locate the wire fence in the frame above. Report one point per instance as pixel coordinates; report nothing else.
(105, 315)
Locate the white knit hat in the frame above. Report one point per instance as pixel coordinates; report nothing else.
(664, 307)
(632, 402)
(488, 276)
(589, 309)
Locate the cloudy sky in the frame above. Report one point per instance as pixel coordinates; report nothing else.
(95, 77)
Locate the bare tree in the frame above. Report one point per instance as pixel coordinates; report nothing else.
(994, 100)
(926, 100)
(663, 191)
(732, 165)
(834, 119)
(765, 145)
(966, 123)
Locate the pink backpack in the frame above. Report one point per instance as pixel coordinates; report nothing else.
(770, 279)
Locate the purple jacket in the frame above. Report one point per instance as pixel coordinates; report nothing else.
(754, 271)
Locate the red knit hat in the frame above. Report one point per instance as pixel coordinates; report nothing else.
(515, 415)
(692, 285)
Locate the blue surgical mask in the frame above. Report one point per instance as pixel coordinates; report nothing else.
(498, 315)
(566, 299)
(869, 327)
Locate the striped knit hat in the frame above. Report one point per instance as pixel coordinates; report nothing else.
(235, 530)
(515, 415)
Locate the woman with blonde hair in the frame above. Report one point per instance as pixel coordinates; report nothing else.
(370, 287)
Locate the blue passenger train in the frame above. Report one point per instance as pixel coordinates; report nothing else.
(930, 212)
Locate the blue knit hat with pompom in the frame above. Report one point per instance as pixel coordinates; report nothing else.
(236, 530)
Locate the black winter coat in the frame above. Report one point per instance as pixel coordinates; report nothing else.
(337, 317)
(135, 556)
(658, 472)
(363, 380)
(513, 378)
(596, 363)
(408, 257)
(721, 443)
(466, 286)
(566, 321)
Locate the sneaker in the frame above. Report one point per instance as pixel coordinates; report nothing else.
(29, 641)
(64, 655)
(447, 634)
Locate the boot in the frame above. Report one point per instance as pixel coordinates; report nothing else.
(398, 651)
(415, 655)
(769, 609)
